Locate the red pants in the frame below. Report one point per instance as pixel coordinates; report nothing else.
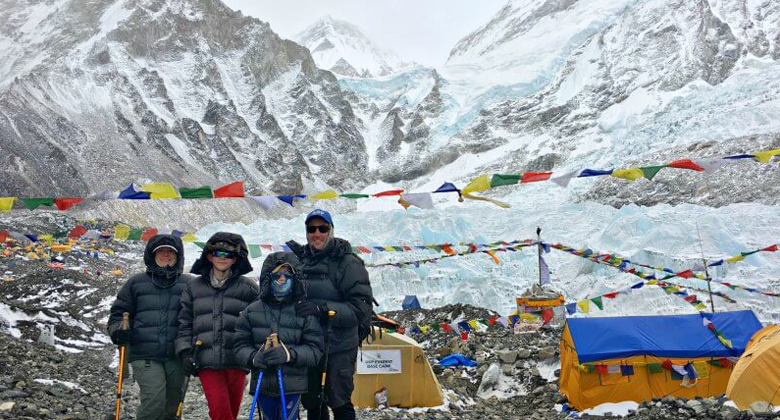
(223, 389)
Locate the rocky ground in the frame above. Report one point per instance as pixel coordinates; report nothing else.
(71, 374)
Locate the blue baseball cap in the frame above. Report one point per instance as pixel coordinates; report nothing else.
(320, 213)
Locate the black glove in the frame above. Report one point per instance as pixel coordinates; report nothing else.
(306, 308)
(276, 356)
(258, 360)
(188, 362)
(120, 336)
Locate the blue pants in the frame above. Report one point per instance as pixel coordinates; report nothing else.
(272, 407)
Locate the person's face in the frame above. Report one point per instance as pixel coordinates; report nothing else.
(165, 257)
(221, 261)
(317, 233)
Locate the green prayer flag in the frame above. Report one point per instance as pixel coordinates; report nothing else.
(200, 244)
(202, 192)
(354, 195)
(597, 301)
(135, 235)
(591, 368)
(435, 327)
(650, 171)
(60, 234)
(655, 368)
(254, 250)
(34, 203)
(484, 322)
(398, 248)
(499, 180)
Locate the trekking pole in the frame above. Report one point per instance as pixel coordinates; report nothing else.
(122, 351)
(257, 395)
(186, 385)
(274, 342)
(331, 315)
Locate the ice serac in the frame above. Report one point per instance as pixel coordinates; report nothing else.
(95, 95)
(567, 84)
(346, 50)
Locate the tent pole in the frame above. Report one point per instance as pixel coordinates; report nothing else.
(709, 285)
(539, 253)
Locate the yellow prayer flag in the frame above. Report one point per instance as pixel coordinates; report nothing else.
(725, 342)
(189, 238)
(765, 156)
(652, 282)
(528, 317)
(629, 174)
(160, 190)
(702, 369)
(480, 183)
(584, 305)
(388, 248)
(736, 259)
(121, 232)
(473, 324)
(47, 239)
(6, 203)
(424, 328)
(700, 307)
(325, 195)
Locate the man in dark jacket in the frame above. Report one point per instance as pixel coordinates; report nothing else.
(336, 280)
(210, 306)
(152, 300)
(301, 339)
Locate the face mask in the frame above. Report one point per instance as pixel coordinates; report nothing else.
(281, 285)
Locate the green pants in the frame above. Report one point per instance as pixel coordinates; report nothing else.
(161, 388)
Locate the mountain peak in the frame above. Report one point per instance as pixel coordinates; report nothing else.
(344, 49)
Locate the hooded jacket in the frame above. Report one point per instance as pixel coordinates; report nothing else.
(336, 277)
(152, 299)
(301, 335)
(210, 315)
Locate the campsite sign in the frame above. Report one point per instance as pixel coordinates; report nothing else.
(378, 362)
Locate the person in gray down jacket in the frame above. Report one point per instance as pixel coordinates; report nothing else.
(336, 280)
(210, 306)
(152, 300)
(300, 337)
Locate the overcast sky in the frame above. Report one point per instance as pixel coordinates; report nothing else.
(417, 30)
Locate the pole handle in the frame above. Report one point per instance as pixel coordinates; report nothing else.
(126, 321)
(331, 314)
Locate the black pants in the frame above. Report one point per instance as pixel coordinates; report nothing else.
(338, 387)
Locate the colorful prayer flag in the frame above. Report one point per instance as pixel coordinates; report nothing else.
(232, 190)
(686, 164)
(354, 196)
(324, 195)
(499, 180)
(64, 203)
(6, 203)
(584, 306)
(597, 302)
(529, 177)
(421, 200)
(650, 172)
(160, 190)
(388, 193)
(480, 183)
(121, 232)
(629, 174)
(34, 203)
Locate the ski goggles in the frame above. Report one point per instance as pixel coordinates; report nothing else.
(321, 228)
(223, 254)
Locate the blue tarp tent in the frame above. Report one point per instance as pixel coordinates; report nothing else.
(672, 336)
(614, 359)
(410, 301)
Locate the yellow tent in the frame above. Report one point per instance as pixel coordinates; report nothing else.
(756, 376)
(638, 358)
(397, 363)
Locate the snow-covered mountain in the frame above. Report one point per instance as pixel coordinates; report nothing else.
(561, 85)
(97, 95)
(344, 49)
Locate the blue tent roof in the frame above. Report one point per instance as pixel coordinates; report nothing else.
(673, 336)
(410, 301)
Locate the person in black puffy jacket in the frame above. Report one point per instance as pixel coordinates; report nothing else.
(300, 337)
(335, 280)
(210, 306)
(152, 300)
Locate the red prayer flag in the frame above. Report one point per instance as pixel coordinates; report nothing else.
(667, 364)
(388, 193)
(772, 248)
(611, 295)
(724, 362)
(686, 164)
(148, 233)
(492, 320)
(401, 330)
(464, 335)
(446, 327)
(685, 274)
(232, 190)
(690, 299)
(364, 250)
(77, 232)
(446, 248)
(547, 315)
(3, 236)
(266, 246)
(63, 203)
(407, 248)
(535, 177)
(602, 369)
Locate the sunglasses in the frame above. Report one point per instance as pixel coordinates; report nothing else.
(223, 254)
(321, 228)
